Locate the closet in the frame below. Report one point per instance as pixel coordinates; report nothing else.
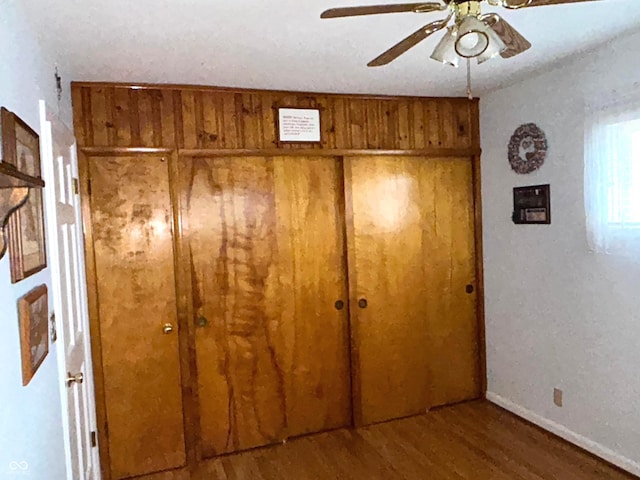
(412, 275)
(131, 226)
(244, 292)
(265, 244)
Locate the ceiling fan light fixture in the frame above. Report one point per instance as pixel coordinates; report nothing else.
(471, 35)
(473, 38)
(445, 51)
(496, 46)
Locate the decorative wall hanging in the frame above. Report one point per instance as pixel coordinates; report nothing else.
(33, 311)
(532, 204)
(27, 247)
(298, 125)
(19, 169)
(20, 145)
(527, 148)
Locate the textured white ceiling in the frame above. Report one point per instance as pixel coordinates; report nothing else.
(283, 44)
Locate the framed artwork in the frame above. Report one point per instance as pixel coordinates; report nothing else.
(33, 312)
(27, 247)
(532, 205)
(20, 144)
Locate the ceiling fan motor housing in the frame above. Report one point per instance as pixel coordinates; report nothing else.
(464, 8)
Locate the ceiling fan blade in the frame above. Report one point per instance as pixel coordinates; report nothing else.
(409, 42)
(515, 42)
(377, 9)
(542, 3)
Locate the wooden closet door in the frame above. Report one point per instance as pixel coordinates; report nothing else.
(131, 224)
(450, 259)
(265, 245)
(411, 255)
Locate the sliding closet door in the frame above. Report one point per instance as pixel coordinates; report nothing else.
(411, 256)
(131, 225)
(314, 295)
(388, 287)
(265, 245)
(450, 260)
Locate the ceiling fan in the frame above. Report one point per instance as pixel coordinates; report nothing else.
(470, 35)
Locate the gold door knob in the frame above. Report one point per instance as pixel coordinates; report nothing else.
(71, 379)
(167, 329)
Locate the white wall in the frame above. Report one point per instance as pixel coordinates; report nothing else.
(556, 314)
(30, 417)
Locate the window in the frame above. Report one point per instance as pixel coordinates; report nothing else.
(612, 177)
(624, 181)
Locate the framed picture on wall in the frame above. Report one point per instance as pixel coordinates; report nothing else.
(27, 247)
(20, 144)
(532, 205)
(33, 312)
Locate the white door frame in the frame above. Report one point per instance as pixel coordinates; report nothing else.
(54, 130)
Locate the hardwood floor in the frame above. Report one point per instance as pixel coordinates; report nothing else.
(475, 441)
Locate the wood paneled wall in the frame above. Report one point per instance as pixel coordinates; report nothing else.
(125, 116)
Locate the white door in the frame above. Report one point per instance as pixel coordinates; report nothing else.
(66, 254)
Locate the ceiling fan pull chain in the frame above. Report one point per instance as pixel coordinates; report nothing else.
(469, 93)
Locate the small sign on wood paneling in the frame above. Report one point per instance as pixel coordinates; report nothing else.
(299, 125)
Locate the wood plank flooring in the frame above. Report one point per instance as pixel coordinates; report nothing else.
(474, 441)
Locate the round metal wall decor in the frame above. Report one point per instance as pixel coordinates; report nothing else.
(527, 148)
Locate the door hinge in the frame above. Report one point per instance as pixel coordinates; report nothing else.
(89, 187)
(94, 439)
(76, 186)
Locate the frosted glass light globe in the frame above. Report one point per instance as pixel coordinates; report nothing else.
(473, 39)
(470, 41)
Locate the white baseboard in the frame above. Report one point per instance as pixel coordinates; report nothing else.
(569, 435)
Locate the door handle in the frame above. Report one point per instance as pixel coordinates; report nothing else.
(339, 305)
(469, 289)
(71, 379)
(362, 303)
(167, 329)
(202, 322)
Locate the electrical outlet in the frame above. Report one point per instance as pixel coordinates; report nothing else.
(557, 397)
